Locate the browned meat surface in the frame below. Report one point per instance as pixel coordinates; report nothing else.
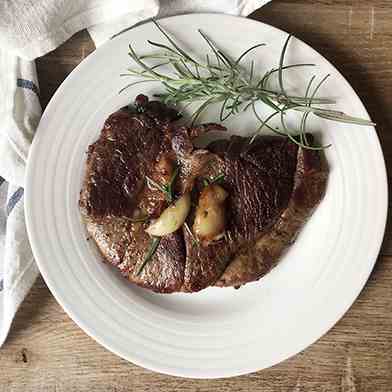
(272, 187)
(119, 160)
(257, 259)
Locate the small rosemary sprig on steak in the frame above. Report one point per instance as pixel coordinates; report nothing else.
(166, 189)
(150, 253)
(217, 179)
(222, 80)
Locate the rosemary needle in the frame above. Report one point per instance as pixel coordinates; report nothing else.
(214, 180)
(167, 189)
(150, 253)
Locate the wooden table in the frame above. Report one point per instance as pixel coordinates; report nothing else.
(46, 351)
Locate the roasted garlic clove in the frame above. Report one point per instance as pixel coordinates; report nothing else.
(172, 218)
(210, 219)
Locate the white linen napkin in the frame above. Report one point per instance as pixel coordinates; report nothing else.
(28, 29)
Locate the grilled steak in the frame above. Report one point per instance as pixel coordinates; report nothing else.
(272, 186)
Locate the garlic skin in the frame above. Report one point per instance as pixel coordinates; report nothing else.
(172, 218)
(210, 216)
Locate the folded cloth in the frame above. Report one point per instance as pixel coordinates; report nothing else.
(28, 29)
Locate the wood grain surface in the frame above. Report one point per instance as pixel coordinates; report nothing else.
(46, 351)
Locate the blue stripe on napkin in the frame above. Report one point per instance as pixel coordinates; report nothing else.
(14, 200)
(28, 84)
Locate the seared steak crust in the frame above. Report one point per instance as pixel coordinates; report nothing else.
(273, 188)
(255, 261)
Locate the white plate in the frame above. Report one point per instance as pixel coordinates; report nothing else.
(218, 332)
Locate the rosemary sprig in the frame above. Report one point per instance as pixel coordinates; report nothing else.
(218, 178)
(169, 186)
(235, 87)
(150, 253)
(166, 189)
